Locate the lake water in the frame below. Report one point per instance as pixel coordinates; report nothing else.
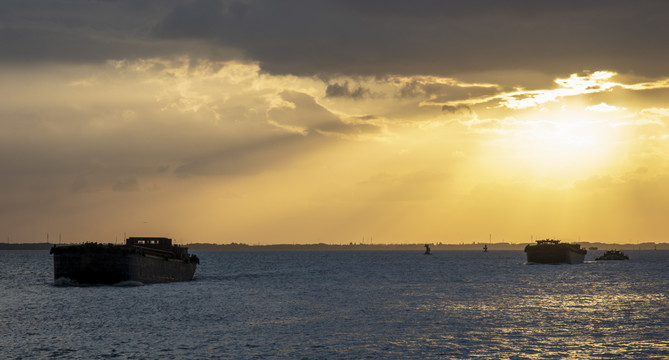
(345, 305)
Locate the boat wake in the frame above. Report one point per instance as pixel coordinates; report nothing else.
(63, 281)
(129, 284)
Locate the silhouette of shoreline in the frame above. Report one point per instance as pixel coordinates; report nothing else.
(361, 247)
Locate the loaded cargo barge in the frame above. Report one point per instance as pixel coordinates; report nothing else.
(551, 251)
(142, 259)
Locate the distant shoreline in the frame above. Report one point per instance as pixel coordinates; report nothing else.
(361, 247)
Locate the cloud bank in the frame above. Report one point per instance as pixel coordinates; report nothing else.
(326, 38)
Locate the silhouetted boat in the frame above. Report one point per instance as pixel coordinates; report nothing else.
(613, 255)
(553, 252)
(142, 259)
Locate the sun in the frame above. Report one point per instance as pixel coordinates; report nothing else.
(561, 146)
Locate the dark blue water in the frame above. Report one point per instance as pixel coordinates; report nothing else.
(345, 305)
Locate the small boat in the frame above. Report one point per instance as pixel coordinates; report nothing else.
(141, 259)
(613, 255)
(551, 251)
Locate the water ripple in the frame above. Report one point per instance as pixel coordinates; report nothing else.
(345, 305)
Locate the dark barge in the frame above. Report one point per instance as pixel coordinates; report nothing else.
(142, 259)
(553, 252)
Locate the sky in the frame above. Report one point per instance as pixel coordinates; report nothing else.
(296, 121)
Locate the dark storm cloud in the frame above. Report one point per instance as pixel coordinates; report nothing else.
(342, 90)
(454, 109)
(436, 37)
(87, 31)
(349, 37)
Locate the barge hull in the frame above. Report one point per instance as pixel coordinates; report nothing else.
(551, 251)
(550, 256)
(101, 268)
(142, 259)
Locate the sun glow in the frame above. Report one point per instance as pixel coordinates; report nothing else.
(563, 147)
